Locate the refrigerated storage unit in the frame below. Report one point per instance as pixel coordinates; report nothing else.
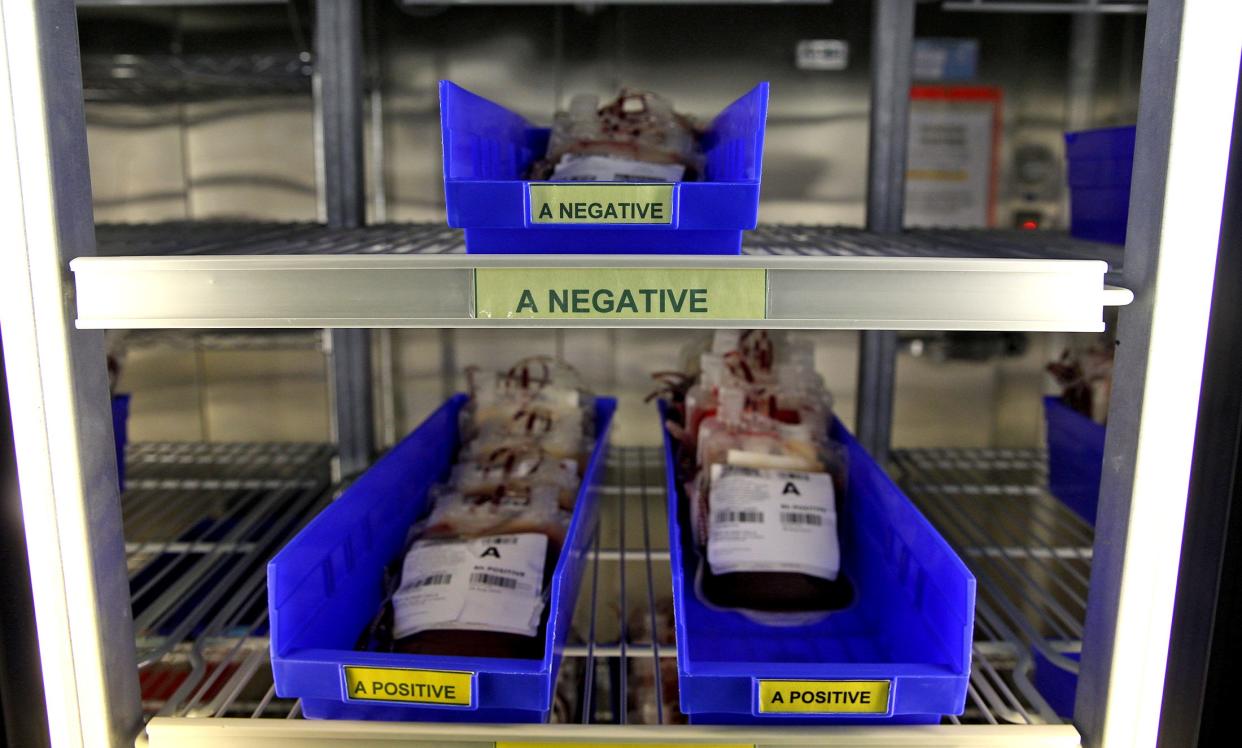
(196, 674)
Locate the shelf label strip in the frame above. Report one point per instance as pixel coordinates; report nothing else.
(406, 686)
(823, 696)
(621, 293)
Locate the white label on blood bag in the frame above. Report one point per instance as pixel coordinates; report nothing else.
(772, 520)
(485, 584)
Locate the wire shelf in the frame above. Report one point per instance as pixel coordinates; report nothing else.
(1030, 554)
(223, 340)
(240, 238)
(204, 645)
(169, 78)
(201, 522)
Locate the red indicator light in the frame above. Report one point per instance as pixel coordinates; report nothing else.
(1030, 225)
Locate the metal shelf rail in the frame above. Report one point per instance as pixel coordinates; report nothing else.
(607, 678)
(309, 275)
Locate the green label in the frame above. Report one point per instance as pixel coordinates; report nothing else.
(620, 293)
(607, 203)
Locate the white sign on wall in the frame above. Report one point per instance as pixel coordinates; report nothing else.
(951, 161)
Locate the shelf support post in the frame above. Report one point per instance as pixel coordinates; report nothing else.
(339, 157)
(892, 67)
(58, 384)
(1190, 76)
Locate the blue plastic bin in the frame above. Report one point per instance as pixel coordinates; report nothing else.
(1075, 457)
(324, 587)
(1058, 686)
(120, 432)
(487, 148)
(1100, 164)
(910, 624)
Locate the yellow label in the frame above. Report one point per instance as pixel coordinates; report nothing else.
(450, 687)
(823, 696)
(601, 203)
(620, 293)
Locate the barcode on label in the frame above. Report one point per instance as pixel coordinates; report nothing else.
(494, 580)
(502, 541)
(433, 580)
(739, 516)
(800, 518)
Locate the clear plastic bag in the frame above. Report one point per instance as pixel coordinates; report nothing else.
(526, 433)
(559, 432)
(526, 464)
(775, 373)
(1086, 378)
(742, 435)
(762, 478)
(637, 126)
(539, 399)
(508, 508)
(540, 379)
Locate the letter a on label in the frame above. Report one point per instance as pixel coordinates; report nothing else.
(527, 302)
